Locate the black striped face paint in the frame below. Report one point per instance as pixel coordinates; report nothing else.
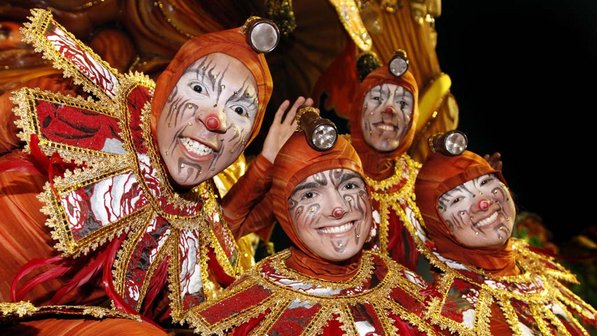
(331, 213)
(207, 119)
(479, 213)
(386, 116)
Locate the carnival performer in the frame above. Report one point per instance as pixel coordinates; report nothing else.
(382, 127)
(325, 284)
(129, 197)
(488, 282)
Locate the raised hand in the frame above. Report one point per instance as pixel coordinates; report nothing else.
(494, 160)
(282, 127)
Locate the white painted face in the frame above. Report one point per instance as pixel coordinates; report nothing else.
(479, 213)
(206, 121)
(331, 213)
(386, 116)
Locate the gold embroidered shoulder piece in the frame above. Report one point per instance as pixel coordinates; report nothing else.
(535, 302)
(278, 300)
(107, 180)
(15, 310)
(394, 198)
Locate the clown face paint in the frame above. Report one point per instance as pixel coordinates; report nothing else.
(479, 213)
(331, 214)
(386, 116)
(207, 118)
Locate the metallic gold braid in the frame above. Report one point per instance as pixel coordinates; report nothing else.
(400, 173)
(281, 296)
(211, 288)
(178, 312)
(536, 263)
(422, 325)
(276, 311)
(34, 33)
(25, 309)
(387, 323)
(101, 312)
(193, 316)
(576, 323)
(555, 321)
(28, 123)
(405, 171)
(124, 253)
(221, 256)
(581, 307)
(482, 314)
(384, 226)
(21, 308)
(162, 252)
(536, 312)
(345, 318)
(510, 315)
(434, 308)
(539, 302)
(387, 204)
(320, 320)
(65, 243)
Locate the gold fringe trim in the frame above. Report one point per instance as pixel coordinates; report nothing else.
(34, 33)
(282, 296)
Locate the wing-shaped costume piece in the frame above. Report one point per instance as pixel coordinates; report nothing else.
(119, 186)
(535, 301)
(279, 301)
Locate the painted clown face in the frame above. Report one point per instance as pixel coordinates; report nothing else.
(331, 214)
(207, 119)
(387, 116)
(479, 213)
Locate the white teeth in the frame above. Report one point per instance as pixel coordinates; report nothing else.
(385, 127)
(195, 147)
(487, 220)
(337, 229)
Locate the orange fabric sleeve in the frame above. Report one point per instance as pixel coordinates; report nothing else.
(246, 194)
(83, 327)
(261, 219)
(8, 129)
(23, 234)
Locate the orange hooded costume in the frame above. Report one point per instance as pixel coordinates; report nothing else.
(498, 291)
(390, 175)
(117, 213)
(296, 292)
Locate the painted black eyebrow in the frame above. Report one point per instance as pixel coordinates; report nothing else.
(239, 96)
(442, 200)
(304, 186)
(201, 73)
(350, 175)
(377, 89)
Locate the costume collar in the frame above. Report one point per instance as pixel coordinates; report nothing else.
(277, 296)
(118, 187)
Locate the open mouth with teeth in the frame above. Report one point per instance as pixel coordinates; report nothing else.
(383, 127)
(194, 148)
(487, 220)
(336, 229)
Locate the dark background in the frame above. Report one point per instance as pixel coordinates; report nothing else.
(523, 74)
